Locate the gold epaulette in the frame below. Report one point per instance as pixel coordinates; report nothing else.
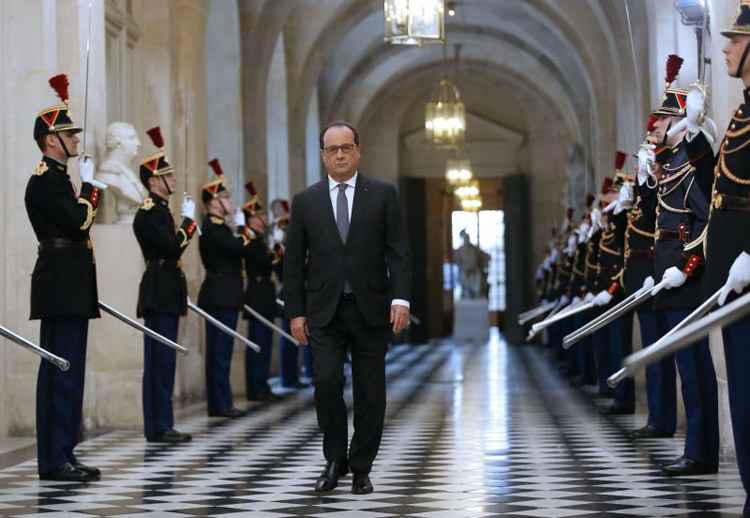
(148, 204)
(41, 168)
(215, 220)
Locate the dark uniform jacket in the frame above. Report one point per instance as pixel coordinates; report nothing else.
(578, 278)
(564, 273)
(222, 253)
(612, 254)
(63, 283)
(592, 263)
(729, 225)
(639, 240)
(260, 293)
(681, 216)
(163, 287)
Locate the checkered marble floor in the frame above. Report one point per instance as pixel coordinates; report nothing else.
(472, 431)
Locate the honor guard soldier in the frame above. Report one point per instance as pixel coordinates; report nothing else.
(221, 293)
(594, 343)
(63, 285)
(162, 296)
(661, 388)
(563, 272)
(727, 242)
(619, 335)
(289, 353)
(681, 216)
(260, 295)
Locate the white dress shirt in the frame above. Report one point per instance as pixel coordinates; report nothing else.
(333, 191)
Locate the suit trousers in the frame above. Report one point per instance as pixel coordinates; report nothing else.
(258, 364)
(661, 377)
(59, 395)
(737, 352)
(348, 331)
(700, 395)
(159, 363)
(289, 364)
(219, 347)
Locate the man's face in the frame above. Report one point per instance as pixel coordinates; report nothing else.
(258, 223)
(733, 51)
(340, 153)
(69, 138)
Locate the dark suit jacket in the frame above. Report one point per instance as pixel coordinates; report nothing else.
(375, 259)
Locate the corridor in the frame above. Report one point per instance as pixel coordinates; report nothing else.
(472, 431)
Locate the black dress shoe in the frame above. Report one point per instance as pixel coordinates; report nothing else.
(329, 479)
(649, 432)
(231, 413)
(686, 467)
(67, 473)
(616, 410)
(171, 437)
(361, 484)
(93, 472)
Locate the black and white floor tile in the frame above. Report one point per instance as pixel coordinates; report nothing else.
(472, 431)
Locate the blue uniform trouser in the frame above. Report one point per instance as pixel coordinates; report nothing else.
(737, 352)
(661, 386)
(219, 346)
(258, 364)
(621, 346)
(585, 352)
(289, 364)
(159, 362)
(700, 395)
(59, 395)
(554, 340)
(566, 327)
(600, 344)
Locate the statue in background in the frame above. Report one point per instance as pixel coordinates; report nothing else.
(127, 192)
(472, 265)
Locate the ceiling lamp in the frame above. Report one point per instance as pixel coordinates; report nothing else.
(414, 22)
(458, 172)
(473, 204)
(445, 116)
(468, 191)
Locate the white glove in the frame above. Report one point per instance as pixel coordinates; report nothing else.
(609, 208)
(738, 279)
(564, 300)
(576, 300)
(602, 298)
(646, 161)
(589, 297)
(695, 110)
(648, 283)
(86, 169)
(624, 198)
(583, 232)
(596, 220)
(571, 248)
(673, 278)
(187, 210)
(239, 218)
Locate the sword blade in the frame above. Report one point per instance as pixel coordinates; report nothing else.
(579, 308)
(60, 363)
(223, 327)
(140, 327)
(655, 351)
(271, 325)
(86, 79)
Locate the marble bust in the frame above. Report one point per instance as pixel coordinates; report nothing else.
(117, 172)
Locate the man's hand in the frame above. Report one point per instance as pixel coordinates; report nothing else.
(738, 279)
(399, 318)
(299, 330)
(673, 278)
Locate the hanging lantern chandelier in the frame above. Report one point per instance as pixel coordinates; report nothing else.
(468, 191)
(473, 204)
(445, 116)
(414, 22)
(458, 172)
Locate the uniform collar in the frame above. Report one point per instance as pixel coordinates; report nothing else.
(54, 165)
(158, 199)
(351, 182)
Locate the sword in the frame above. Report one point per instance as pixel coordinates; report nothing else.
(60, 363)
(86, 81)
(612, 314)
(271, 325)
(540, 326)
(143, 329)
(559, 306)
(657, 347)
(414, 320)
(535, 313)
(223, 327)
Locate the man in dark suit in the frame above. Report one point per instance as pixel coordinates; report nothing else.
(344, 284)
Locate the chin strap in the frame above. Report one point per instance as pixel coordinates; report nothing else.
(741, 65)
(166, 186)
(65, 148)
(666, 132)
(223, 207)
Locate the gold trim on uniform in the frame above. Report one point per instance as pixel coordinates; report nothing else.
(148, 204)
(90, 213)
(41, 168)
(215, 220)
(728, 173)
(185, 239)
(608, 250)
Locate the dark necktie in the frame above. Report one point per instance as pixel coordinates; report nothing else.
(342, 212)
